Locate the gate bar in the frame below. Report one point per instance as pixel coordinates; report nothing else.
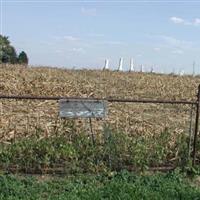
(109, 99)
(196, 127)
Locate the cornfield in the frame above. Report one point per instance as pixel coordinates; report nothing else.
(21, 117)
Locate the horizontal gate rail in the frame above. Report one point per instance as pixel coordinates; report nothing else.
(100, 99)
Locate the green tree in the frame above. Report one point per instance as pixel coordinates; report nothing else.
(23, 58)
(7, 51)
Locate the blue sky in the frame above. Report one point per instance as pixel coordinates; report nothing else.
(165, 34)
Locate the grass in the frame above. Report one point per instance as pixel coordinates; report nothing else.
(76, 153)
(114, 186)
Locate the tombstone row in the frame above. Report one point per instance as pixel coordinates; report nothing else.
(120, 67)
(132, 68)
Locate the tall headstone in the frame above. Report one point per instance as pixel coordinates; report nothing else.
(106, 66)
(141, 68)
(120, 64)
(131, 65)
(181, 73)
(152, 69)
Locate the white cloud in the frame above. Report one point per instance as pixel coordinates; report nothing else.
(173, 42)
(114, 43)
(89, 11)
(78, 50)
(177, 51)
(71, 38)
(197, 21)
(109, 42)
(55, 37)
(156, 49)
(179, 20)
(58, 51)
(45, 43)
(96, 35)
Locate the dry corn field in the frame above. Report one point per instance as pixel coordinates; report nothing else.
(22, 118)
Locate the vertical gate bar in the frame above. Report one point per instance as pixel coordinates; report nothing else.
(190, 132)
(196, 127)
(91, 129)
(93, 140)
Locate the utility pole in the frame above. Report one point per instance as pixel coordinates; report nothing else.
(193, 71)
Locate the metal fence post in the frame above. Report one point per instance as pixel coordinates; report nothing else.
(196, 127)
(91, 129)
(191, 132)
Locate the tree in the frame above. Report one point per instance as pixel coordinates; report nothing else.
(8, 53)
(23, 58)
(11, 54)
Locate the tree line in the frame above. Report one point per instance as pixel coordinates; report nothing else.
(8, 53)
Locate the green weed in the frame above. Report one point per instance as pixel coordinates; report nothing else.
(120, 186)
(73, 152)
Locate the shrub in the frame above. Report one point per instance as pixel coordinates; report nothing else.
(22, 58)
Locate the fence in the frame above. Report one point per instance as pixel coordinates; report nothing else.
(20, 102)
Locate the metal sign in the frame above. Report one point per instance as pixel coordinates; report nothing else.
(75, 108)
